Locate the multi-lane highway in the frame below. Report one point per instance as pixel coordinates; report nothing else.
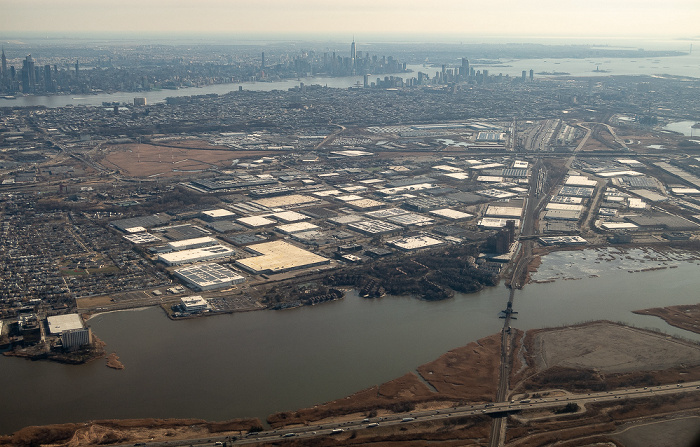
(495, 409)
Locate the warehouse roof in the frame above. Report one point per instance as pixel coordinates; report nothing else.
(255, 221)
(60, 323)
(451, 214)
(296, 227)
(416, 242)
(205, 276)
(279, 256)
(196, 254)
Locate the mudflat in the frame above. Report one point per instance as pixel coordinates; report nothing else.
(611, 348)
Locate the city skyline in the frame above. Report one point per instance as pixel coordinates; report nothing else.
(314, 18)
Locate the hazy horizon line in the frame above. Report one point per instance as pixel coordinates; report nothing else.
(384, 38)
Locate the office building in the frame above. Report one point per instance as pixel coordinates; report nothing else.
(75, 338)
(28, 75)
(194, 304)
(48, 81)
(465, 67)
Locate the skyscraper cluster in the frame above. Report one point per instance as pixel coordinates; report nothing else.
(31, 78)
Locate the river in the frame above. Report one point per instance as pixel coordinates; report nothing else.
(156, 96)
(257, 363)
(684, 65)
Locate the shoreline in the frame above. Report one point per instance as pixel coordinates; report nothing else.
(686, 317)
(430, 387)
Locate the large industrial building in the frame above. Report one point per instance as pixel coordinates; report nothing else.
(507, 212)
(217, 214)
(196, 255)
(289, 216)
(372, 227)
(415, 242)
(208, 276)
(278, 257)
(296, 227)
(255, 221)
(451, 214)
(187, 244)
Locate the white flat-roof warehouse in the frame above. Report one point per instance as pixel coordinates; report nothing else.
(504, 211)
(255, 221)
(415, 242)
(141, 238)
(290, 216)
(365, 204)
(196, 255)
(450, 214)
(492, 222)
(208, 276)
(197, 242)
(558, 214)
(217, 214)
(296, 227)
(580, 180)
(278, 257)
(60, 323)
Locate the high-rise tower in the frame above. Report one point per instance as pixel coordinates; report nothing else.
(4, 64)
(28, 75)
(48, 81)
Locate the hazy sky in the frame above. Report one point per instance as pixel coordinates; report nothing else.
(605, 18)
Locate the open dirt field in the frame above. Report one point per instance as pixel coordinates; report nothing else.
(145, 160)
(93, 301)
(679, 432)
(611, 348)
(685, 317)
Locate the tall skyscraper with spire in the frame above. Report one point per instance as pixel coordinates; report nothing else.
(353, 54)
(3, 73)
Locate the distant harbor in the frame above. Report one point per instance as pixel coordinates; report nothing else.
(685, 65)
